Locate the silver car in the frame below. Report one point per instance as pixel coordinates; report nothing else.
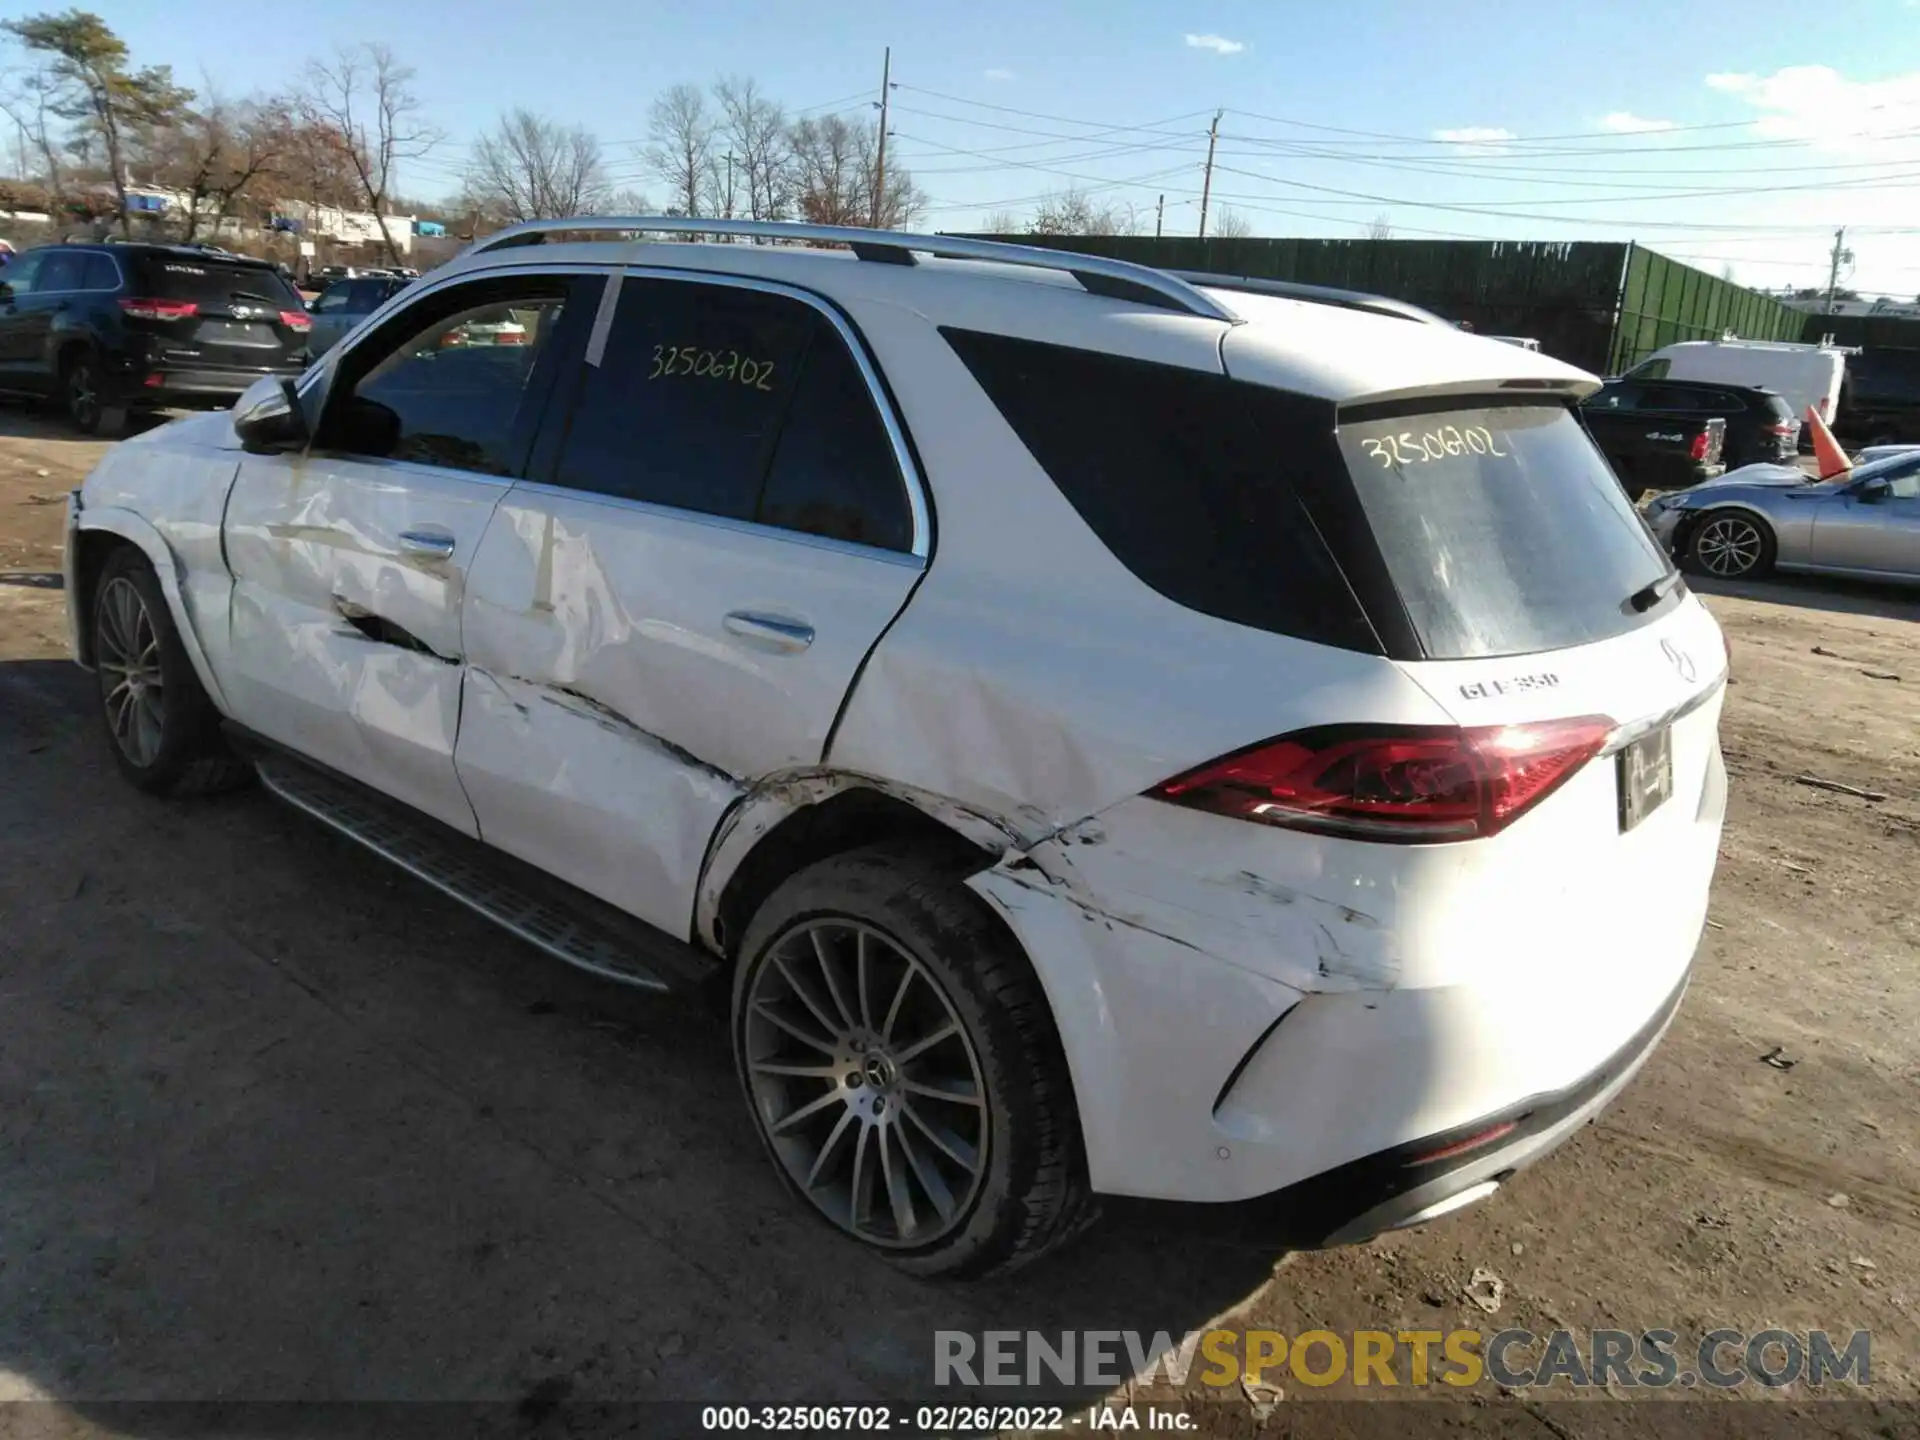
(1865, 524)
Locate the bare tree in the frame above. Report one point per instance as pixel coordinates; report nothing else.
(88, 81)
(680, 135)
(1002, 222)
(216, 152)
(1378, 228)
(364, 96)
(1231, 225)
(532, 168)
(26, 97)
(754, 129)
(1074, 212)
(837, 163)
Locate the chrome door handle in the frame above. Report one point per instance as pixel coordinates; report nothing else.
(434, 544)
(769, 631)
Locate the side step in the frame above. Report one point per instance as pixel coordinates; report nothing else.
(546, 913)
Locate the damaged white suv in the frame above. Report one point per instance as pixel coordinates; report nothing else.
(1111, 734)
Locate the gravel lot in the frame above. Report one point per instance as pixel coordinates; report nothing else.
(279, 1124)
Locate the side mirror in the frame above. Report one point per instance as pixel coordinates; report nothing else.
(1873, 492)
(356, 425)
(267, 417)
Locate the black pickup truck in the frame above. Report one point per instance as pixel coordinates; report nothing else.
(1669, 434)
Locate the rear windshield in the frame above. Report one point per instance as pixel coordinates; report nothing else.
(1502, 528)
(210, 282)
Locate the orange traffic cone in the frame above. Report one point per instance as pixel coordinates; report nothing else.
(1833, 460)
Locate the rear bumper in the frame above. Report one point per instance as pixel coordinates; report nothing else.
(190, 389)
(1423, 1179)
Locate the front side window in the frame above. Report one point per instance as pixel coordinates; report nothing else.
(22, 274)
(445, 383)
(99, 273)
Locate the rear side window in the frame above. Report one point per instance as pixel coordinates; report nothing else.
(834, 472)
(1502, 528)
(98, 273)
(1168, 469)
(63, 270)
(688, 396)
(210, 283)
(736, 403)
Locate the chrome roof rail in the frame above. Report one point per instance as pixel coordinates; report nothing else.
(1118, 279)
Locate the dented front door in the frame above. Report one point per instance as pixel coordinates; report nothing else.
(348, 580)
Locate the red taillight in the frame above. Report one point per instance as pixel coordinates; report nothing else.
(158, 309)
(1699, 450)
(296, 320)
(1410, 785)
(1783, 427)
(511, 337)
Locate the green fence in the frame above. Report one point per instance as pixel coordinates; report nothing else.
(1662, 301)
(1601, 306)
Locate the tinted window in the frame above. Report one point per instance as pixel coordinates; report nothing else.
(22, 274)
(1618, 396)
(444, 385)
(834, 472)
(335, 301)
(688, 396)
(1885, 374)
(1167, 467)
(1679, 399)
(210, 283)
(1503, 529)
(99, 273)
(62, 271)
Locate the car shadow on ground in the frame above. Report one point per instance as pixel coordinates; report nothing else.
(287, 1125)
(1843, 597)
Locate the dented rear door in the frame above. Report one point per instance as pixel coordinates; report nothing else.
(671, 613)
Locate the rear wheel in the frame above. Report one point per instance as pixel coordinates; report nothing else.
(84, 398)
(903, 1069)
(164, 731)
(1729, 546)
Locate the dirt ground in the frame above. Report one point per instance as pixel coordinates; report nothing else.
(277, 1123)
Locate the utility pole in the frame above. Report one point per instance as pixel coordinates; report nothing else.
(1206, 185)
(880, 161)
(1159, 214)
(729, 160)
(1840, 256)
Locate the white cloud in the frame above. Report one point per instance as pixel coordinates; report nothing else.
(997, 73)
(1819, 106)
(1627, 123)
(1219, 44)
(1478, 139)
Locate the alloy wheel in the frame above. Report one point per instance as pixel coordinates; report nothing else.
(1729, 546)
(866, 1084)
(83, 398)
(128, 656)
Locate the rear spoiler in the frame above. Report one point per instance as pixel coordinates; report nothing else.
(1313, 294)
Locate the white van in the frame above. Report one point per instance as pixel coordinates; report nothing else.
(1801, 374)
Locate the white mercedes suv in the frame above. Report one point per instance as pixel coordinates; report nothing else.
(1109, 733)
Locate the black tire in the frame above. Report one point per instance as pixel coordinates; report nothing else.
(1729, 545)
(181, 752)
(80, 394)
(1031, 1194)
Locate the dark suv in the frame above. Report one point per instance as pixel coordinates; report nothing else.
(108, 328)
(1626, 414)
(1880, 401)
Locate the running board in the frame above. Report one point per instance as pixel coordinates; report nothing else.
(576, 928)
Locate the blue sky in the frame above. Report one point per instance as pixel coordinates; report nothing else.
(1461, 101)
